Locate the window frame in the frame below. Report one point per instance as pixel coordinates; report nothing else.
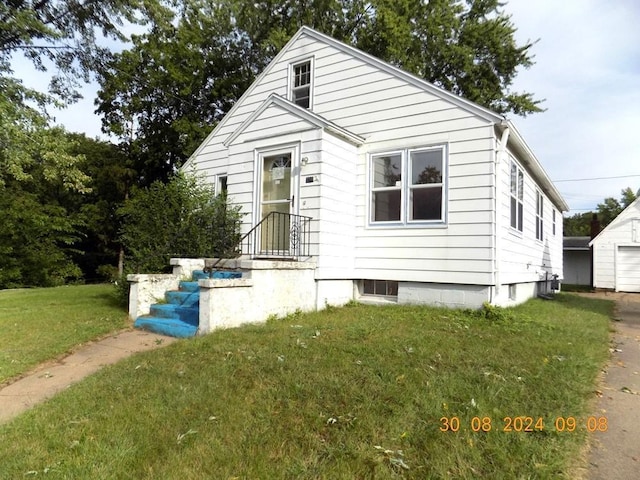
(390, 288)
(406, 187)
(553, 221)
(516, 223)
(292, 80)
(373, 190)
(539, 216)
(222, 182)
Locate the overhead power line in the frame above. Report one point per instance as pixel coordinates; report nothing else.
(594, 178)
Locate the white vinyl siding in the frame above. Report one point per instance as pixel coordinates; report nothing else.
(393, 115)
(523, 257)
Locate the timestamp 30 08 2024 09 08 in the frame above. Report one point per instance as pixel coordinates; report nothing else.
(524, 424)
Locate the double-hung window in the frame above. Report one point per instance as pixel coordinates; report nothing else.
(539, 216)
(301, 84)
(386, 188)
(517, 196)
(407, 186)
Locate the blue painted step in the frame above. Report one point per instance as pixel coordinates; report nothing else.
(189, 315)
(201, 275)
(180, 316)
(166, 326)
(185, 299)
(189, 286)
(177, 318)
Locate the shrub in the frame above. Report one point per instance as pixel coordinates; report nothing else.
(182, 218)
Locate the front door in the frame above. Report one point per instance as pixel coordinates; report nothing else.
(277, 202)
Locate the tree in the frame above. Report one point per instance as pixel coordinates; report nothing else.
(580, 223)
(164, 94)
(64, 33)
(112, 178)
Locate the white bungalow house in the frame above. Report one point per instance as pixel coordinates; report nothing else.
(616, 252)
(393, 189)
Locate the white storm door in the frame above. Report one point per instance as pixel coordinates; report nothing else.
(277, 202)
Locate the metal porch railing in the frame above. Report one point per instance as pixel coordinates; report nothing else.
(278, 235)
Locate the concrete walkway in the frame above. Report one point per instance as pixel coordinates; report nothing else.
(616, 452)
(52, 377)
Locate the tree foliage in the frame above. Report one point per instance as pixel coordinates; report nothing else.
(580, 223)
(164, 94)
(64, 34)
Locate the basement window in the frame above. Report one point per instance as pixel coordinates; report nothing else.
(388, 288)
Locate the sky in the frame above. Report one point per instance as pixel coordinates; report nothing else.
(587, 70)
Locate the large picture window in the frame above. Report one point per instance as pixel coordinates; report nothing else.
(517, 196)
(408, 186)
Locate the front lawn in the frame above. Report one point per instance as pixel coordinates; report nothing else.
(360, 392)
(43, 323)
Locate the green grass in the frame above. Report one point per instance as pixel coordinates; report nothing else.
(568, 287)
(350, 393)
(41, 324)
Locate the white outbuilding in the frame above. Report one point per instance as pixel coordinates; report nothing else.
(616, 252)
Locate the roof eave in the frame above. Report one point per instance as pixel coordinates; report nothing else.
(528, 157)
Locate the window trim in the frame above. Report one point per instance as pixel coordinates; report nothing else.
(539, 216)
(218, 187)
(518, 197)
(291, 81)
(406, 187)
(553, 221)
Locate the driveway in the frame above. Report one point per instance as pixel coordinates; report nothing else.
(615, 453)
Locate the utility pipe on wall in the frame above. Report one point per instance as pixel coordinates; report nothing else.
(501, 154)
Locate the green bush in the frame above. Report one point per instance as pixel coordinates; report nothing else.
(181, 218)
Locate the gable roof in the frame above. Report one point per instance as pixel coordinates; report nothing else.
(621, 217)
(500, 121)
(367, 58)
(302, 113)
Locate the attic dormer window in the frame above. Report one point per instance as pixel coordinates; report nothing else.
(301, 84)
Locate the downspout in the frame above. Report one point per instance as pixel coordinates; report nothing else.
(501, 153)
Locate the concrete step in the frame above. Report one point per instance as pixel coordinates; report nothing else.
(189, 287)
(186, 299)
(166, 326)
(189, 315)
(199, 275)
(220, 274)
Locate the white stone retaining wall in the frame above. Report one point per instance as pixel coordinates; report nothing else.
(147, 289)
(266, 288)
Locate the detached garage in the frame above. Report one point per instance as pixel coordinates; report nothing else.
(616, 252)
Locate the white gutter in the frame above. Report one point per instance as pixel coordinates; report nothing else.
(500, 155)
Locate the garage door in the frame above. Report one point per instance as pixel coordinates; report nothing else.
(628, 269)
